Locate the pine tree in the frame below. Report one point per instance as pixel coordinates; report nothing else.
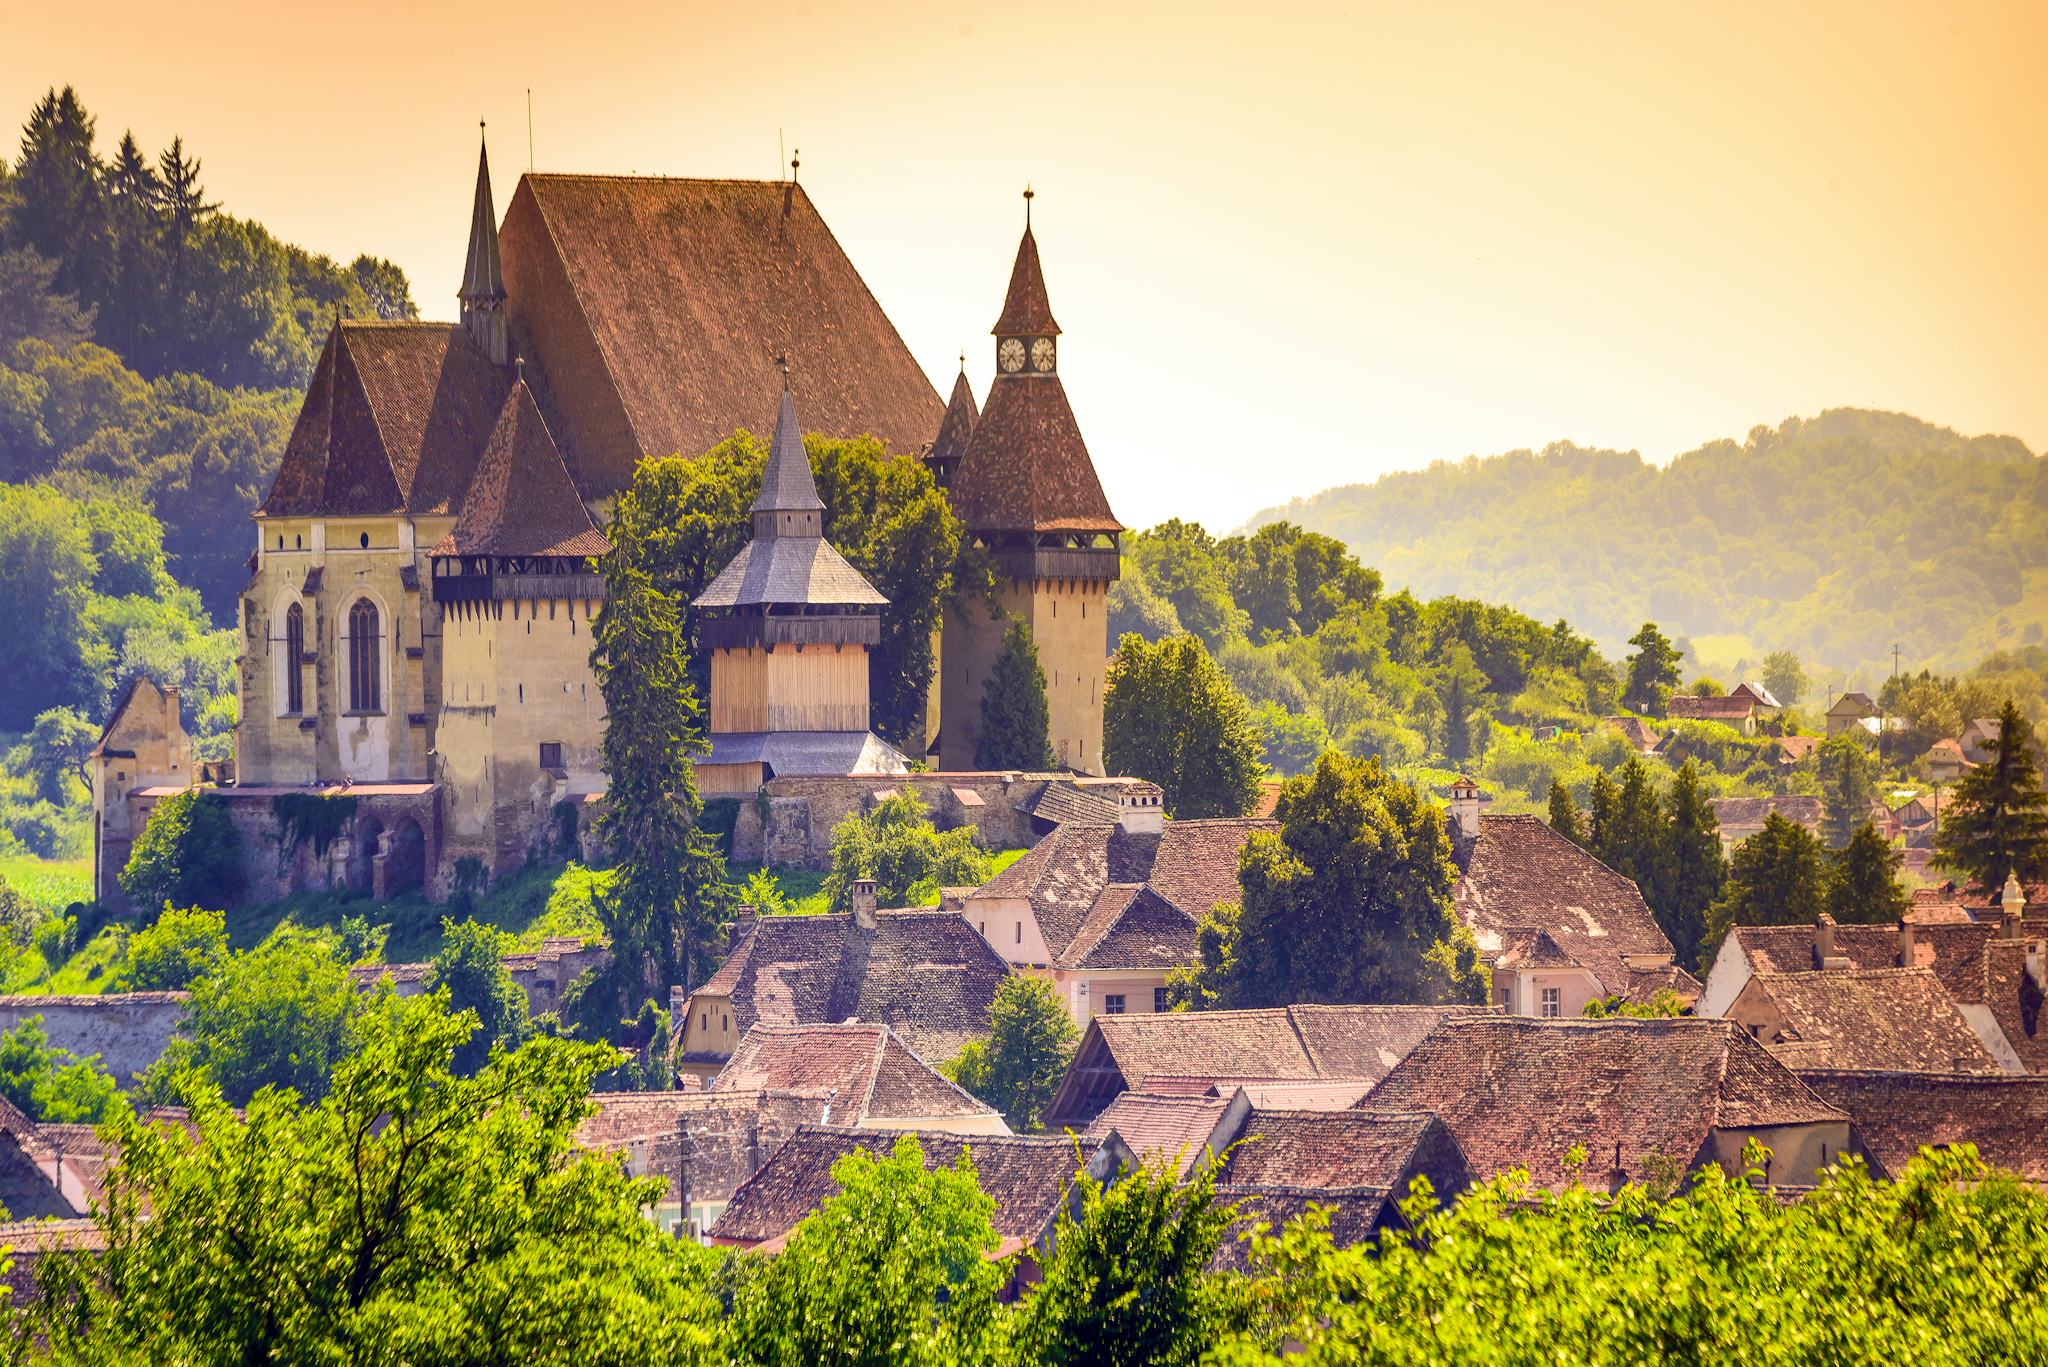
(133, 196)
(1998, 824)
(669, 897)
(1778, 877)
(1652, 671)
(1565, 817)
(1845, 787)
(1600, 815)
(1016, 723)
(1864, 887)
(1635, 843)
(1698, 869)
(60, 206)
(1457, 722)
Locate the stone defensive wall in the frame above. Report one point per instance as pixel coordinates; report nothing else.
(128, 1030)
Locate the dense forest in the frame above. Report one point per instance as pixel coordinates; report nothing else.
(1835, 537)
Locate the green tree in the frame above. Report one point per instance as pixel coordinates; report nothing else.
(1784, 678)
(471, 966)
(1292, 741)
(1635, 840)
(1016, 723)
(1845, 786)
(1600, 808)
(189, 853)
(1997, 821)
(895, 844)
(1128, 1282)
(1697, 867)
(1349, 901)
(31, 305)
(1652, 671)
(59, 205)
(669, 897)
(55, 750)
(1565, 817)
(1180, 562)
(1864, 885)
(1778, 877)
(1171, 716)
(278, 1015)
(46, 587)
(177, 951)
(51, 1084)
(411, 1215)
(1031, 1041)
(894, 1269)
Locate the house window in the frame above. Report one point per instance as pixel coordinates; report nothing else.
(1158, 999)
(294, 659)
(1112, 1003)
(365, 674)
(551, 754)
(1551, 1004)
(1020, 932)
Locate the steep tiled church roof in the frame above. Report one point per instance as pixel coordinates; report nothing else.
(521, 501)
(393, 421)
(653, 307)
(1026, 310)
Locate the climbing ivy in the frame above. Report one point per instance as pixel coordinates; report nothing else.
(309, 816)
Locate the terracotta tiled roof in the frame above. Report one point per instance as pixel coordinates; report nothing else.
(925, 974)
(1192, 864)
(1684, 707)
(521, 501)
(1756, 692)
(1335, 1149)
(2015, 990)
(1635, 731)
(1954, 951)
(1335, 1095)
(865, 1069)
(730, 1134)
(1893, 1018)
(1026, 1178)
(655, 307)
(1027, 468)
(1518, 1092)
(1061, 802)
(1796, 748)
(1892, 1115)
(1171, 1129)
(1355, 1215)
(1132, 926)
(1520, 875)
(393, 420)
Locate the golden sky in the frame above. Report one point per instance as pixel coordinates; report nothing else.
(1290, 246)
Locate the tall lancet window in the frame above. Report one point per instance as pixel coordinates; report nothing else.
(295, 659)
(364, 672)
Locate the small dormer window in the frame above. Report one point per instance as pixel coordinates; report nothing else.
(364, 541)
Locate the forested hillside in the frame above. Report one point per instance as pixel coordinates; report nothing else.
(1834, 537)
(152, 353)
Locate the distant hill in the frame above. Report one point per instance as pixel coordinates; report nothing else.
(1834, 537)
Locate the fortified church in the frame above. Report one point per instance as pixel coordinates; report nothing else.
(415, 633)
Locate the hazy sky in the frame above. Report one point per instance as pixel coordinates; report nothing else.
(1291, 246)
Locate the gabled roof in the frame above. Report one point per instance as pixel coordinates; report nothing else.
(1337, 1149)
(1756, 691)
(957, 427)
(1853, 704)
(1893, 1114)
(1354, 1215)
(1800, 808)
(729, 1133)
(864, 1069)
(1167, 1128)
(1026, 1178)
(1520, 876)
(1893, 1018)
(655, 306)
(521, 501)
(1132, 926)
(925, 974)
(393, 421)
(1954, 951)
(1685, 707)
(119, 710)
(1521, 1092)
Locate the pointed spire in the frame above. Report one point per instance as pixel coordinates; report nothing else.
(786, 484)
(1026, 313)
(955, 429)
(483, 280)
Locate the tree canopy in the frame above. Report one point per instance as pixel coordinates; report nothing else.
(1018, 1068)
(1997, 822)
(895, 844)
(1016, 723)
(1170, 716)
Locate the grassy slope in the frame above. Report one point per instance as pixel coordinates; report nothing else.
(51, 884)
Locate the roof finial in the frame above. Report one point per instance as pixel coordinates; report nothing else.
(963, 360)
(519, 364)
(782, 364)
(794, 163)
(1027, 206)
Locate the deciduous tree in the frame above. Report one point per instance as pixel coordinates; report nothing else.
(1171, 716)
(189, 853)
(470, 965)
(895, 844)
(1031, 1041)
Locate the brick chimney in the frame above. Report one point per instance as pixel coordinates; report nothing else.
(863, 890)
(1824, 944)
(1141, 809)
(678, 1002)
(683, 1178)
(1465, 807)
(1909, 943)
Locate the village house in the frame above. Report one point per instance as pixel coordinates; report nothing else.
(1760, 697)
(1558, 928)
(1895, 1019)
(1738, 710)
(1944, 762)
(1189, 1052)
(1791, 751)
(923, 973)
(1893, 1115)
(1635, 731)
(1739, 818)
(1642, 1100)
(867, 1072)
(1849, 711)
(1106, 911)
(1979, 734)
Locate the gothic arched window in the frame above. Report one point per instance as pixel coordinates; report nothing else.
(295, 659)
(364, 668)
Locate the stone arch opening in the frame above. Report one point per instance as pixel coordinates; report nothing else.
(405, 857)
(362, 856)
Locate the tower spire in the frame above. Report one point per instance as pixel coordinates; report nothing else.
(483, 279)
(788, 504)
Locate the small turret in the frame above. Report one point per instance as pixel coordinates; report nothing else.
(483, 280)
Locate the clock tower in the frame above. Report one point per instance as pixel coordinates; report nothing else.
(1026, 492)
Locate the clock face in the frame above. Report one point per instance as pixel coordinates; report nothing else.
(1041, 354)
(1010, 355)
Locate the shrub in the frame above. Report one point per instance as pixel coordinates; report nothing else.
(189, 854)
